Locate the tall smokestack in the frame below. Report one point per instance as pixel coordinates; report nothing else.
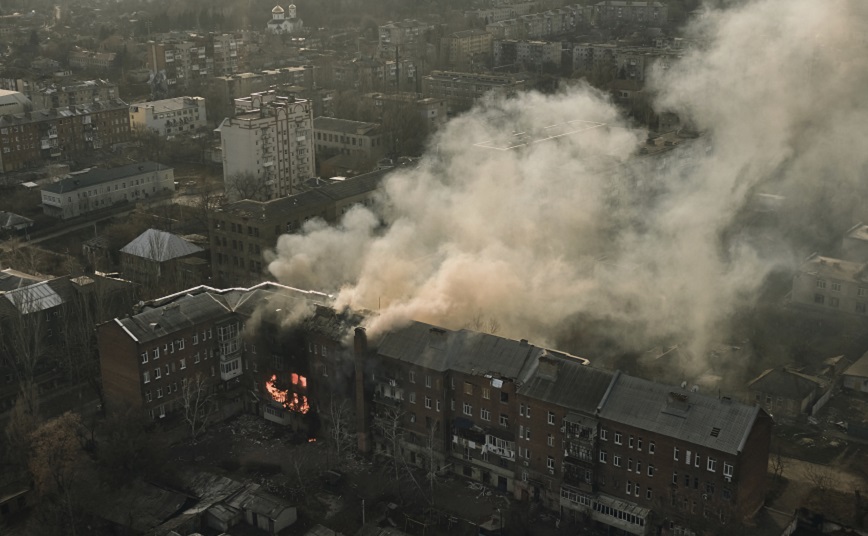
(360, 351)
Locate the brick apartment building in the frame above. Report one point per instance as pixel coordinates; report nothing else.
(32, 138)
(241, 232)
(598, 446)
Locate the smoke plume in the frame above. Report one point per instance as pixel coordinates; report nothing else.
(545, 237)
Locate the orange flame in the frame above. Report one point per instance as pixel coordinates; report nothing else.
(291, 401)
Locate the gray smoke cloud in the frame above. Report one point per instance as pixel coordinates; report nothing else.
(583, 227)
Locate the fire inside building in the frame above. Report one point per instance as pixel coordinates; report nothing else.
(593, 445)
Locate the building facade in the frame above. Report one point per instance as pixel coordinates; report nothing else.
(546, 25)
(408, 36)
(97, 189)
(529, 55)
(241, 232)
(81, 93)
(609, 13)
(268, 152)
(461, 90)
(33, 138)
(187, 59)
(831, 285)
(468, 50)
(342, 136)
(96, 61)
(169, 117)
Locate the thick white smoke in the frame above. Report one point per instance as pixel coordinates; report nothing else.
(584, 226)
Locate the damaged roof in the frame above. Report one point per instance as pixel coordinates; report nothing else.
(576, 385)
(787, 383)
(465, 351)
(720, 424)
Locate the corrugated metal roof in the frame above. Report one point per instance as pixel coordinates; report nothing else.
(677, 413)
(160, 246)
(34, 298)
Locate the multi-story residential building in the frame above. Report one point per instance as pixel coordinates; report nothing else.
(609, 13)
(31, 138)
(690, 459)
(169, 117)
(244, 84)
(194, 58)
(408, 36)
(590, 56)
(468, 50)
(268, 152)
(461, 90)
(832, 284)
(342, 136)
(242, 231)
(79, 93)
(81, 193)
(528, 55)
(85, 59)
(155, 358)
(544, 25)
(557, 447)
(431, 109)
(499, 13)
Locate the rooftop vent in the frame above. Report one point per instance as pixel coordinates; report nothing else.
(715, 432)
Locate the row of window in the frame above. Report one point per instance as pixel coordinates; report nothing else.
(632, 442)
(836, 287)
(170, 367)
(177, 344)
(820, 299)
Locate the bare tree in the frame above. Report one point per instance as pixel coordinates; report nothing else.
(24, 335)
(246, 186)
(389, 425)
(340, 432)
(23, 420)
(199, 403)
(778, 465)
(820, 476)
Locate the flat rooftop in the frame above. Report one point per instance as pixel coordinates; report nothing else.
(551, 132)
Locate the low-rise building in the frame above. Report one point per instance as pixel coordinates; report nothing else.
(82, 193)
(86, 59)
(342, 136)
(856, 375)
(431, 109)
(169, 117)
(784, 392)
(829, 284)
(74, 94)
(163, 262)
(14, 102)
(461, 90)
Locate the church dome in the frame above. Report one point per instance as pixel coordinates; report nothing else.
(277, 9)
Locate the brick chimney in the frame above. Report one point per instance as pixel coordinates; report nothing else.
(360, 352)
(548, 367)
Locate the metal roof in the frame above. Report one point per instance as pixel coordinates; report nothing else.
(576, 386)
(94, 177)
(464, 351)
(859, 368)
(680, 414)
(787, 383)
(33, 298)
(160, 246)
(344, 126)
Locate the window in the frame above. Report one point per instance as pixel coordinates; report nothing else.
(638, 443)
(861, 308)
(675, 454)
(167, 369)
(468, 388)
(727, 469)
(687, 458)
(486, 393)
(412, 398)
(603, 456)
(833, 302)
(629, 464)
(468, 409)
(636, 490)
(146, 376)
(158, 373)
(504, 397)
(148, 396)
(159, 392)
(484, 414)
(183, 363)
(521, 410)
(711, 465)
(427, 380)
(727, 494)
(675, 478)
(428, 402)
(196, 338)
(156, 353)
(629, 487)
(437, 405)
(550, 440)
(819, 298)
(651, 447)
(550, 463)
(696, 461)
(630, 442)
(412, 376)
(551, 417)
(648, 494)
(861, 291)
(180, 344)
(527, 410)
(504, 420)
(527, 433)
(616, 460)
(604, 434)
(196, 358)
(836, 287)
(821, 283)
(617, 438)
(144, 357)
